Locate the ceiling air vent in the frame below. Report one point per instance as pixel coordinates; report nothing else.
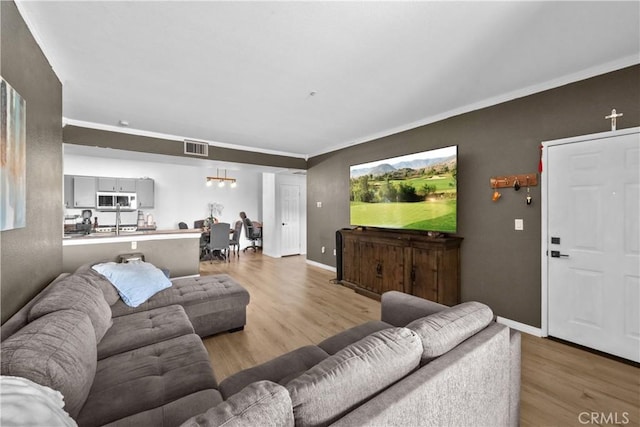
(196, 148)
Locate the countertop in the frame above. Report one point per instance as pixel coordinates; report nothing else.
(129, 236)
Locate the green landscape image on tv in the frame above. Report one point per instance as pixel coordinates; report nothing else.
(411, 192)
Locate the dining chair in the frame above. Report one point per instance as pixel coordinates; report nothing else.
(234, 242)
(219, 240)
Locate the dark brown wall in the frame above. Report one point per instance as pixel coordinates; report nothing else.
(106, 139)
(32, 256)
(500, 266)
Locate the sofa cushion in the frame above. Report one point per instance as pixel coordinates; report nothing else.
(76, 293)
(146, 378)
(173, 413)
(205, 294)
(339, 341)
(141, 329)
(280, 370)
(58, 350)
(261, 403)
(136, 282)
(442, 331)
(343, 381)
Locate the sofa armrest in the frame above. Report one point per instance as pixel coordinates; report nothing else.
(398, 309)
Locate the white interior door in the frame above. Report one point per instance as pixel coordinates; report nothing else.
(592, 242)
(290, 218)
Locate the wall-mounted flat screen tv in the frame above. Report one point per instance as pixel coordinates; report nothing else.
(411, 192)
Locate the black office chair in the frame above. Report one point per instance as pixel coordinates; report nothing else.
(253, 234)
(234, 242)
(183, 225)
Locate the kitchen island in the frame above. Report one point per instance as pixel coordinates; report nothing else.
(175, 250)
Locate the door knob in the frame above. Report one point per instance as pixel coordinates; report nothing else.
(557, 254)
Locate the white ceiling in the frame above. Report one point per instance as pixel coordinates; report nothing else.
(304, 78)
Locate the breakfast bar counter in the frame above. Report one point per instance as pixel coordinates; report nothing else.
(177, 251)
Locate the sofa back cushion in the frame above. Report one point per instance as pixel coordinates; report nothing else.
(76, 293)
(98, 280)
(344, 380)
(58, 351)
(262, 403)
(442, 331)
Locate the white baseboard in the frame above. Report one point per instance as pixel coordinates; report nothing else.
(323, 266)
(527, 329)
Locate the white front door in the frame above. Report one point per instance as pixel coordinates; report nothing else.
(592, 241)
(290, 218)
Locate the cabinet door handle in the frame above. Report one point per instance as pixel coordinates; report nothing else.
(413, 275)
(379, 269)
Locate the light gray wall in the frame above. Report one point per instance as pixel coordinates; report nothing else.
(499, 266)
(32, 256)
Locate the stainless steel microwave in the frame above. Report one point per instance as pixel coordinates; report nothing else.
(110, 201)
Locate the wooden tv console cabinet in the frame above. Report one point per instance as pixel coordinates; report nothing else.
(376, 261)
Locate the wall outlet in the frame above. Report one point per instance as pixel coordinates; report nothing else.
(323, 249)
(318, 204)
(519, 224)
(334, 252)
(134, 245)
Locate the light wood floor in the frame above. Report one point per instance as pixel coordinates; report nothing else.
(295, 304)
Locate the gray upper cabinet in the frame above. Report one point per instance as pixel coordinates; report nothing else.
(126, 184)
(68, 191)
(84, 192)
(146, 193)
(80, 191)
(106, 184)
(117, 184)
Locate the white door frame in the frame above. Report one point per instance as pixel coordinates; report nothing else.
(544, 319)
(295, 230)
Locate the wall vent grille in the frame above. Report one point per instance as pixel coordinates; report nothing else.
(196, 148)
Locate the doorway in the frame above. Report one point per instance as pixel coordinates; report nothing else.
(591, 241)
(290, 219)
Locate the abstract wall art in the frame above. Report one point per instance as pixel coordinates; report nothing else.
(13, 159)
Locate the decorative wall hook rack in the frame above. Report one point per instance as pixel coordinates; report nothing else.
(522, 180)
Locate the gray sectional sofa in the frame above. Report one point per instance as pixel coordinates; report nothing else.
(421, 364)
(117, 365)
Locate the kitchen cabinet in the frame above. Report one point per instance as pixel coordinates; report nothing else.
(377, 261)
(80, 191)
(146, 193)
(84, 192)
(68, 191)
(127, 185)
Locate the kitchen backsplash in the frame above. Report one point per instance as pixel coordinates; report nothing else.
(107, 218)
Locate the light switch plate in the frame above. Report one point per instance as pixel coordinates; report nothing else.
(134, 245)
(519, 224)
